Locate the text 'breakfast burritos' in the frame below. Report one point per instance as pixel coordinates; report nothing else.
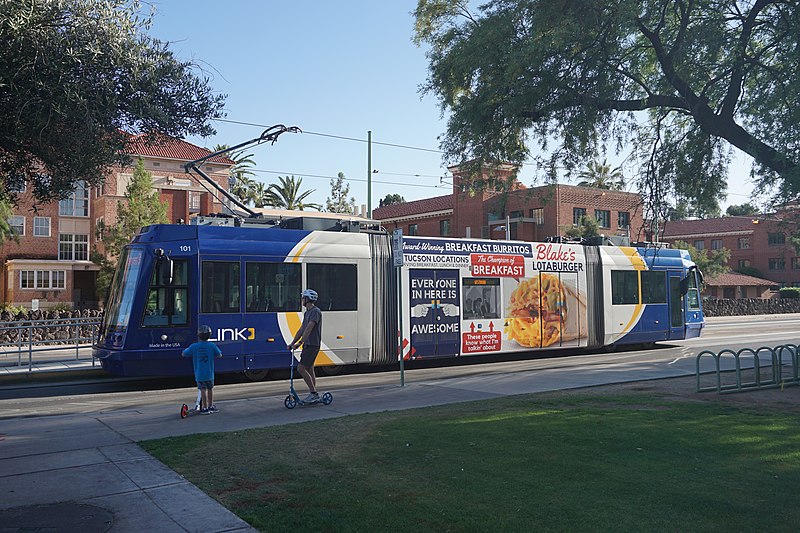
(537, 311)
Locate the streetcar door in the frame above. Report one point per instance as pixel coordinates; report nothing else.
(435, 312)
(675, 308)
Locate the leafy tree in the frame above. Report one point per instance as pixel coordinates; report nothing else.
(391, 199)
(587, 228)
(744, 210)
(76, 78)
(287, 195)
(689, 208)
(709, 76)
(602, 176)
(338, 202)
(711, 265)
(142, 206)
(750, 271)
(5, 228)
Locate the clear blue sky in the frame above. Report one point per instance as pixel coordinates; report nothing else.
(335, 69)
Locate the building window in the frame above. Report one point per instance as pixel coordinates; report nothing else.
(795, 263)
(744, 263)
(444, 228)
(744, 243)
(700, 245)
(776, 239)
(624, 219)
(537, 215)
(76, 204)
(73, 247)
(194, 201)
(716, 244)
(577, 214)
(17, 186)
(413, 229)
(777, 263)
(515, 214)
(603, 217)
(41, 226)
(17, 225)
(42, 279)
(729, 293)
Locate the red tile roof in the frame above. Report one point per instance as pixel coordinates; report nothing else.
(732, 279)
(681, 228)
(171, 148)
(417, 207)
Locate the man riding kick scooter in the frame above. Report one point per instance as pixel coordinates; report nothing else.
(310, 336)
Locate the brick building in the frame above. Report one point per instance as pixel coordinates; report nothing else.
(532, 214)
(759, 245)
(50, 262)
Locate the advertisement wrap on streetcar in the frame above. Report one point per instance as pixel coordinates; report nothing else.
(459, 297)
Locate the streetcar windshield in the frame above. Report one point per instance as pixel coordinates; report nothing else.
(123, 289)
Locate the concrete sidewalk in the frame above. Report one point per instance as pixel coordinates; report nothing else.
(86, 472)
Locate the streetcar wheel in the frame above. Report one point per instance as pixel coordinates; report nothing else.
(290, 402)
(256, 374)
(332, 370)
(184, 410)
(327, 398)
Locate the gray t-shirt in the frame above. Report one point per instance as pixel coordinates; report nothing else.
(315, 337)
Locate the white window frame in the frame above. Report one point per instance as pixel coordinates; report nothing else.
(12, 225)
(68, 207)
(43, 279)
(37, 228)
(73, 241)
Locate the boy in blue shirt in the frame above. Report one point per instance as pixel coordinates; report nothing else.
(203, 354)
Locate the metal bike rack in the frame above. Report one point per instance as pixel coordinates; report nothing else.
(775, 378)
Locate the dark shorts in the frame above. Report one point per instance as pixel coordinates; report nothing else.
(309, 355)
(205, 385)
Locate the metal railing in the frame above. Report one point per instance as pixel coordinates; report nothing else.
(771, 368)
(38, 341)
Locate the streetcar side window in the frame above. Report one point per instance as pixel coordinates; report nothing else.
(624, 287)
(272, 287)
(654, 287)
(336, 284)
(220, 287)
(693, 296)
(167, 299)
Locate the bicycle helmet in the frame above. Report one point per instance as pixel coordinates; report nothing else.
(310, 294)
(204, 333)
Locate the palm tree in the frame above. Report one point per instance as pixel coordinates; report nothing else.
(287, 195)
(242, 187)
(259, 194)
(602, 176)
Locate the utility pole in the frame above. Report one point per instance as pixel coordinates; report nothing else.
(369, 174)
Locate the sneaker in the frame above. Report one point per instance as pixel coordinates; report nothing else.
(213, 409)
(205, 412)
(311, 398)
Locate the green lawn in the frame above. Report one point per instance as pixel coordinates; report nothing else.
(529, 463)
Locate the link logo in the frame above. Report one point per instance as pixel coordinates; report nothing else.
(231, 334)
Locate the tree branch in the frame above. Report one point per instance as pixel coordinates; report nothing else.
(737, 75)
(653, 101)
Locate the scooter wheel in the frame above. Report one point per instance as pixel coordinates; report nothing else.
(184, 410)
(327, 398)
(290, 402)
